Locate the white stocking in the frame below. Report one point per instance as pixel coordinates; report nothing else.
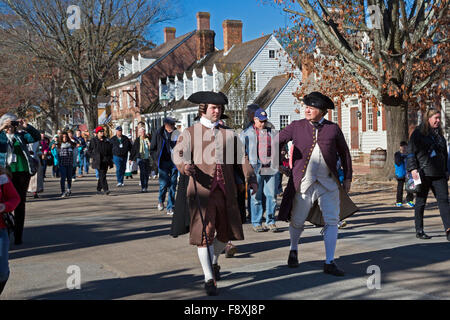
(204, 261)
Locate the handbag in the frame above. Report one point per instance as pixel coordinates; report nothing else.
(10, 220)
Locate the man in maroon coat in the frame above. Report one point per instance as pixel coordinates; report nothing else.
(317, 145)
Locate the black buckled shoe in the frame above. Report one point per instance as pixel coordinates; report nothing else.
(293, 259)
(333, 269)
(211, 288)
(422, 235)
(216, 269)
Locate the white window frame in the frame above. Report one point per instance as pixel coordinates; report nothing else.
(120, 100)
(114, 99)
(282, 118)
(253, 81)
(334, 116)
(270, 52)
(369, 117)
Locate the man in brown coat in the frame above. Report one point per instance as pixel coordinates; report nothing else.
(208, 153)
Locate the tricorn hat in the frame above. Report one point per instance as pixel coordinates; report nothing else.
(209, 97)
(318, 100)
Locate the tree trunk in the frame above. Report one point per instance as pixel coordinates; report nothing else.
(397, 131)
(91, 113)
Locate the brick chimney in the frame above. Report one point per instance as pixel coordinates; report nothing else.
(232, 33)
(203, 19)
(307, 66)
(205, 36)
(169, 34)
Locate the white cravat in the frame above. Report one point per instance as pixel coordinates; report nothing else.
(208, 123)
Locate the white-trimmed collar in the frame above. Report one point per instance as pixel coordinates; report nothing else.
(208, 123)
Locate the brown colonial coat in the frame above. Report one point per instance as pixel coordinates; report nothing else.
(192, 145)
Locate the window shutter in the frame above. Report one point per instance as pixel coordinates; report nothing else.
(375, 113)
(339, 111)
(364, 114)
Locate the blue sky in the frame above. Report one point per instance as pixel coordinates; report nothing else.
(259, 17)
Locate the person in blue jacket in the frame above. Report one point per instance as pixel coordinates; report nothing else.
(400, 175)
(161, 146)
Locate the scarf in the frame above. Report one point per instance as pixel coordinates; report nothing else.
(143, 147)
(10, 151)
(65, 145)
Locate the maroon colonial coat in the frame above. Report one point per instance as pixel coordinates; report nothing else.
(194, 147)
(332, 144)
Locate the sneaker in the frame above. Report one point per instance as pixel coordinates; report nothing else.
(333, 269)
(122, 185)
(410, 204)
(342, 224)
(154, 177)
(63, 195)
(160, 206)
(273, 227)
(399, 204)
(170, 212)
(99, 192)
(258, 228)
(68, 192)
(119, 185)
(73, 179)
(107, 192)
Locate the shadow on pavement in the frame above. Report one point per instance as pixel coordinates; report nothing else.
(65, 237)
(280, 281)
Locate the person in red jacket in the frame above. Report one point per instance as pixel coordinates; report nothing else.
(10, 199)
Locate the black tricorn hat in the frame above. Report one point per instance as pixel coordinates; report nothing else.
(208, 97)
(318, 100)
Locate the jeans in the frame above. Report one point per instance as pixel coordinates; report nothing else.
(278, 183)
(86, 163)
(266, 186)
(168, 175)
(121, 165)
(439, 187)
(44, 167)
(65, 172)
(80, 164)
(55, 171)
(144, 172)
(4, 248)
(409, 195)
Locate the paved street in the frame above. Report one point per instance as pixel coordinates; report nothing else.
(121, 244)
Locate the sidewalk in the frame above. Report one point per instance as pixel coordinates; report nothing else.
(122, 247)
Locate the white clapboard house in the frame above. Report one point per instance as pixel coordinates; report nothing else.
(265, 70)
